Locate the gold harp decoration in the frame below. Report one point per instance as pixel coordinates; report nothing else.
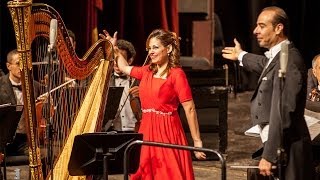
(77, 109)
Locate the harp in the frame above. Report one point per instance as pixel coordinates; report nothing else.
(77, 109)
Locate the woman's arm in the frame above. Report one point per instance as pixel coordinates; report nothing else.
(120, 60)
(192, 119)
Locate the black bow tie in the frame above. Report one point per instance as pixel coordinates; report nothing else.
(17, 86)
(121, 77)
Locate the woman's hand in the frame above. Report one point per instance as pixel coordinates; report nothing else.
(199, 155)
(107, 36)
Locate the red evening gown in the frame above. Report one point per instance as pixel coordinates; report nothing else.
(161, 123)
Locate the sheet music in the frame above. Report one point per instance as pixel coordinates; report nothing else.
(254, 131)
(313, 125)
(257, 131)
(312, 120)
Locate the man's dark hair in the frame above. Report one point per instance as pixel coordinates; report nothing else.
(72, 35)
(128, 47)
(280, 17)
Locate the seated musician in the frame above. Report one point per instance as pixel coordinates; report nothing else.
(129, 115)
(313, 104)
(10, 92)
(313, 96)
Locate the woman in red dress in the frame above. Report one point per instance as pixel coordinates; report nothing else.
(163, 85)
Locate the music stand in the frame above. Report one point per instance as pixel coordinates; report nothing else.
(93, 152)
(113, 101)
(9, 119)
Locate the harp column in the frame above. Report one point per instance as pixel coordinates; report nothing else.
(21, 17)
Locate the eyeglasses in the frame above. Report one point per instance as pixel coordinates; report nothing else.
(16, 63)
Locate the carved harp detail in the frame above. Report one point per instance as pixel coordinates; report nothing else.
(78, 108)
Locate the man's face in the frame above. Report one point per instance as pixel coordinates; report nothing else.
(157, 52)
(13, 67)
(73, 43)
(316, 69)
(266, 33)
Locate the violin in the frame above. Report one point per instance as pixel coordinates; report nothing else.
(314, 95)
(135, 100)
(42, 113)
(135, 104)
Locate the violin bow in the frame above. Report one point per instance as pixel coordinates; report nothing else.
(56, 88)
(109, 123)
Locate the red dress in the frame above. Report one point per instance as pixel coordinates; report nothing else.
(161, 123)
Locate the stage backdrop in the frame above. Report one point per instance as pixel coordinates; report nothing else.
(135, 19)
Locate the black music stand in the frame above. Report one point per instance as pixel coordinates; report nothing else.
(9, 119)
(113, 101)
(102, 153)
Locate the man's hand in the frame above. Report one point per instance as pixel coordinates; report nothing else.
(232, 53)
(134, 91)
(265, 167)
(107, 36)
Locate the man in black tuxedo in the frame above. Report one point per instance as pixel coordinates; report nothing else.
(271, 31)
(10, 92)
(314, 74)
(313, 90)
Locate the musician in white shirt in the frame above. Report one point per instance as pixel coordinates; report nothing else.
(11, 92)
(126, 120)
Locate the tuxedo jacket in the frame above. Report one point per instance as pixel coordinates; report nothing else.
(312, 81)
(265, 109)
(6, 91)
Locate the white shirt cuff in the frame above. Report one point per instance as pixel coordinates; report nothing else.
(241, 54)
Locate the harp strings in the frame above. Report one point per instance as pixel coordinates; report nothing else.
(65, 101)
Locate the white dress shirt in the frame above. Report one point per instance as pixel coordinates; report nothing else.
(127, 120)
(19, 98)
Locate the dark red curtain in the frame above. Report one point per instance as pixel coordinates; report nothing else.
(134, 20)
(93, 6)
